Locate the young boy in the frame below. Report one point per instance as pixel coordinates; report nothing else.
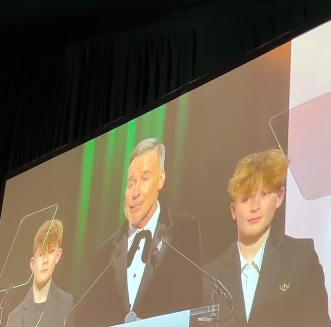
(275, 280)
(45, 305)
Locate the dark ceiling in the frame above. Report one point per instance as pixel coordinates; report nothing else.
(45, 19)
(23, 12)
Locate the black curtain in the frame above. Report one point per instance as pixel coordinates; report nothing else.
(53, 92)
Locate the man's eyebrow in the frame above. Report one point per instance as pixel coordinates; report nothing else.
(130, 177)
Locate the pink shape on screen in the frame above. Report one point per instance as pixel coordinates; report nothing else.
(309, 146)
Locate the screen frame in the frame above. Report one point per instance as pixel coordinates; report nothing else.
(249, 56)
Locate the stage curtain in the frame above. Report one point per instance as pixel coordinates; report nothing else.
(52, 92)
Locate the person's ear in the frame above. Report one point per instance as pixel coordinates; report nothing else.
(161, 180)
(281, 195)
(32, 264)
(58, 255)
(233, 210)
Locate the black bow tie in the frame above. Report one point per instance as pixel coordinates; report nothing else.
(144, 234)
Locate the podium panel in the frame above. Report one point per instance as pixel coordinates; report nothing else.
(188, 318)
(180, 319)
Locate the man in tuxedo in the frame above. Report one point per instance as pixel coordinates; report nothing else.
(146, 277)
(45, 305)
(274, 279)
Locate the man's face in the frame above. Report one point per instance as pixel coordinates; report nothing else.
(43, 265)
(254, 214)
(145, 180)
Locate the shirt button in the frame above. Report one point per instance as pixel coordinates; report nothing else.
(134, 276)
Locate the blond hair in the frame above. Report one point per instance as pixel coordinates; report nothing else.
(49, 235)
(267, 169)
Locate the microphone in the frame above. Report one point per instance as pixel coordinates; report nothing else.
(113, 257)
(131, 317)
(9, 290)
(218, 285)
(4, 300)
(154, 257)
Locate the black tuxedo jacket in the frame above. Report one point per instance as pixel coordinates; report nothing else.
(57, 308)
(289, 261)
(173, 285)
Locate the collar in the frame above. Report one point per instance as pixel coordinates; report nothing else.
(29, 300)
(258, 257)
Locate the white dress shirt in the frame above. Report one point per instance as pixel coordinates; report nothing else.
(136, 270)
(250, 277)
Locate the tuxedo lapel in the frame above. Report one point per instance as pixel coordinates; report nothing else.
(120, 265)
(230, 276)
(28, 310)
(272, 264)
(164, 224)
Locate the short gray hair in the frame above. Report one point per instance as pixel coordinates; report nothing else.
(149, 145)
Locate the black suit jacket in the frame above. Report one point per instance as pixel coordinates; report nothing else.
(57, 307)
(173, 285)
(286, 261)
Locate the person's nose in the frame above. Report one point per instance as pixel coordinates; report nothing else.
(137, 190)
(45, 259)
(256, 204)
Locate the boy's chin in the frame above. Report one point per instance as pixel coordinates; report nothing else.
(42, 282)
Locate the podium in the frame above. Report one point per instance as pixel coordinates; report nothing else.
(188, 318)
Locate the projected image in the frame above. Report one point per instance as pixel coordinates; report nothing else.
(265, 270)
(45, 304)
(26, 229)
(141, 261)
(199, 182)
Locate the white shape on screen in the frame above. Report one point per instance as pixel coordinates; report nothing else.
(310, 68)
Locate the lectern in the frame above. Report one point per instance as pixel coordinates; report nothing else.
(189, 318)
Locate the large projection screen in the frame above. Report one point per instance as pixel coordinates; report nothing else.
(279, 100)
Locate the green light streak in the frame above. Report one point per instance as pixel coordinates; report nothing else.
(179, 139)
(147, 124)
(107, 182)
(158, 126)
(85, 191)
(130, 144)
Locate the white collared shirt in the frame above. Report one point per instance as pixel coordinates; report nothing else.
(250, 276)
(136, 270)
